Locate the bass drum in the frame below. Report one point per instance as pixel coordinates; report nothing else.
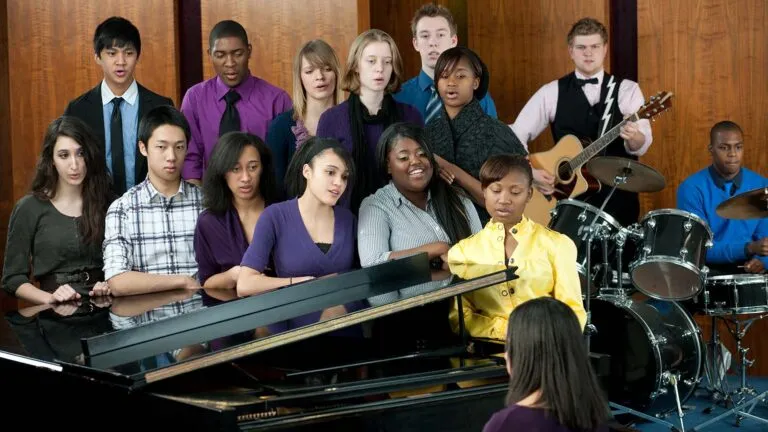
(647, 341)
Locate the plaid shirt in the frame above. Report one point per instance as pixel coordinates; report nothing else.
(149, 233)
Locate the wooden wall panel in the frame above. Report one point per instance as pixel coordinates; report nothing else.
(524, 45)
(45, 65)
(712, 55)
(6, 163)
(277, 29)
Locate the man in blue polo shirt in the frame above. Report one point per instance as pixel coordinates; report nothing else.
(736, 242)
(434, 31)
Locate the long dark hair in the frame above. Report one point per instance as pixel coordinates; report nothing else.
(96, 188)
(216, 194)
(547, 352)
(449, 209)
(295, 183)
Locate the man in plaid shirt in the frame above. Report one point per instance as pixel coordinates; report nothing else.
(149, 230)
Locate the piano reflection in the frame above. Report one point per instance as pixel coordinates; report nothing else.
(204, 361)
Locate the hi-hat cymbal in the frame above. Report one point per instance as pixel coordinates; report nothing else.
(633, 175)
(747, 205)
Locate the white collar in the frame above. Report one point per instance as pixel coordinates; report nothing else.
(129, 96)
(598, 75)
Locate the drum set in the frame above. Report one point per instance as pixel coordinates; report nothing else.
(642, 320)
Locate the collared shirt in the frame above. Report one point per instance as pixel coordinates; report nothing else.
(390, 222)
(129, 110)
(149, 233)
(540, 110)
(702, 192)
(417, 92)
(204, 104)
(546, 266)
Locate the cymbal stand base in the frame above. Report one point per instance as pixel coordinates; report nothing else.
(672, 379)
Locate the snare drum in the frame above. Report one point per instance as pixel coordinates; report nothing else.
(572, 218)
(670, 263)
(735, 294)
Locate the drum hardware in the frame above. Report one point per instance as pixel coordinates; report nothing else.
(745, 398)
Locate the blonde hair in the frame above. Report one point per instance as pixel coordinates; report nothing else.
(351, 80)
(320, 55)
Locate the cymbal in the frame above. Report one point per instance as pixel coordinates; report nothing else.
(636, 176)
(747, 205)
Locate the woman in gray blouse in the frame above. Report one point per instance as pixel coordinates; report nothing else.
(58, 228)
(416, 211)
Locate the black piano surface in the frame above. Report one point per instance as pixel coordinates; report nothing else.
(206, 360)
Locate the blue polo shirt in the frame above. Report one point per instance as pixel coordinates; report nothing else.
(416, 92)
(703, 191)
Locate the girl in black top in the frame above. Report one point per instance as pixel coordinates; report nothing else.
(58, 227)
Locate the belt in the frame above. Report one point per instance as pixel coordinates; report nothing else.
(81, 279)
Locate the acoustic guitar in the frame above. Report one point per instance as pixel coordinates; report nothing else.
(566, 160)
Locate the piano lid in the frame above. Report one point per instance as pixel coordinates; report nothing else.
(384, 301)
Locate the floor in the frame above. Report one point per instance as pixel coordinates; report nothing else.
(695, 417)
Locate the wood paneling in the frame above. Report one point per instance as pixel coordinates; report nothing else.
(47, 59)
(6, 162)
(277, 29)
(712, 55)
(524, 45)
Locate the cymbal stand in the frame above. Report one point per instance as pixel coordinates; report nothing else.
(594, 230)
(744, 407)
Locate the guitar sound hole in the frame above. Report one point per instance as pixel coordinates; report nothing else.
(564, 171)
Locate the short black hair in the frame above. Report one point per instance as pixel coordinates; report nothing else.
(723, 126)
(159, 116)
(227, 28)
(116, 32)
(216, 194)
(295, 183)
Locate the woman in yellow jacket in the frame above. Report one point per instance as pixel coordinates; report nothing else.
(545, 259)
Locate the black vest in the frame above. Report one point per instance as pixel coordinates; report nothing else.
(575, 116)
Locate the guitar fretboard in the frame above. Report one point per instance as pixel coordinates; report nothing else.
(597, 146)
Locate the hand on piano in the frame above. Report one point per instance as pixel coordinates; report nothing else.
(100, 289)
(543, 181)
(63, 294)
(754, 266)
(191, 283)
(66, 309)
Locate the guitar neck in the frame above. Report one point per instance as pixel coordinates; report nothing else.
(601, 143)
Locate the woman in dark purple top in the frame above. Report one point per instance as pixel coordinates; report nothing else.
(552, 387)
(238, 184)
(306, 237)
(373, 72)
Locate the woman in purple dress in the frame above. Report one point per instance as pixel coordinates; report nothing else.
(552, 387)
(238, 185)
(306, 237)
(373, 72)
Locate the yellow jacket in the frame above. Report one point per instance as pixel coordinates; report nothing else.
(546, 262)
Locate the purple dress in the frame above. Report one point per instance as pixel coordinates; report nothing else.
(280, 234)
(219, 243)
(334, 123)
(520, 418)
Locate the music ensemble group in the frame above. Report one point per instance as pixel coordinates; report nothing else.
(247, 188)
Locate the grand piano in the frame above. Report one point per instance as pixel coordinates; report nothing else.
(208, 360)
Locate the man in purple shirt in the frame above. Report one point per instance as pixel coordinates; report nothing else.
(234, 100)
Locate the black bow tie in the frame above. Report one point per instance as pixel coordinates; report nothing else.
(581, 82)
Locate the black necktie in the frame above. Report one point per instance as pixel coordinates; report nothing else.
(118, 158)
(581, 82)
(230, 121)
